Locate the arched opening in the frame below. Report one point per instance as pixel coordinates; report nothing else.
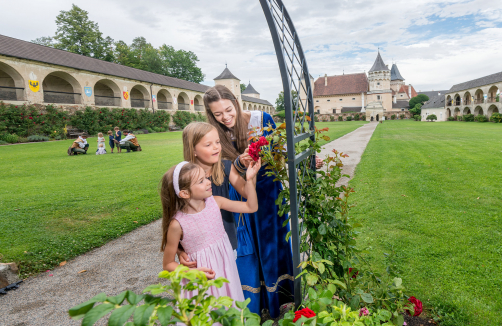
(106, 93)
(61, 87)
(478, 110)
(467, 98)
(377, 117)
(371, 118)
(197, 103)
(456, 112)
(11, 84)
(448, 100)
(183, 102)
(478, 97)
(140, 98)
(493, 93)
(254, 108)
(492, 109)
(466, 111)
(457, 100)
(164, 100)
(448, 113)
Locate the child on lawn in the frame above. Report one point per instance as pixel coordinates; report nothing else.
(101, 144)
(191, 216)
(118, 138)
(111, 140)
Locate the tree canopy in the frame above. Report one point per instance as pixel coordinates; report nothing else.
(279, 102)
(243, 87)
(420, 98)
(78, 34)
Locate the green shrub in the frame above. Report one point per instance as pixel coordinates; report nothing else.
(331, 118)
(139, 132)
(34, 138)
(340, 118)
(459, 118)
(496, 117)
(431, 117)
(468, 117)
(356, 117)
(393, 117)
(10, 138)
(401, 116)
(22, 140)
(451, 119)
(3, 142)
(417, 117)
(481, 118)
(349, 118)
(181, 119)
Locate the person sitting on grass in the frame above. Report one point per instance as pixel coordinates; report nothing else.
(130, 142)
(80, 145)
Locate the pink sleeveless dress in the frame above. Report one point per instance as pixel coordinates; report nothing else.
(205, 241)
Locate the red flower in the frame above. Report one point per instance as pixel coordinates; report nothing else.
(31, 118)
(417, 304)
(41, 114)
(303, 312)
(99, 111)
(16, 106)
(350, 272)
(255, 148)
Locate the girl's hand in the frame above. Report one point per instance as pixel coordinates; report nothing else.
(245, 158)
(319, 163)
(185, 260)
(210, 274)
(253, 169)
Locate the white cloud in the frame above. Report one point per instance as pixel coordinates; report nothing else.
(338, 36)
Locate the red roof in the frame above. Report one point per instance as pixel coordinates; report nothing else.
(342, 84)
(404, 89)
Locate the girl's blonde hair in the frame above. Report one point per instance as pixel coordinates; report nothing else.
(240, 129)
(100, 134)
(171, 203)
(192, 134)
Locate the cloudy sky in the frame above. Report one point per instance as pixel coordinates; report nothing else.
(435, 43)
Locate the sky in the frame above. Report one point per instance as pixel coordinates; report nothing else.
(435, 44)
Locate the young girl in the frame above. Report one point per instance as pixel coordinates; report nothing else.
(111, 140)
(101, 144)
(118, 138)
(191, 216)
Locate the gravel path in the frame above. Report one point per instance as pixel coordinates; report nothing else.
(131, 262)
(352, 144)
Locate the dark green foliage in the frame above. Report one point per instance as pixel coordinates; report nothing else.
(357, 117)
(35, 138)
(481, 118)
(243, 87)
(417, 109)
(393, 117)
(279, 102)
(340, 118)
(8, 138)
(183, 118)
(417, 117)
(431, 117)
(332, 118)
(421, 98)
(349, 118)
(496, 117)
(468, 117)
(451, 118)
(401, 116)
(459, 118)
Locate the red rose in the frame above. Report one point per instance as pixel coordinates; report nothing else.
(303, 312)
(41, 114)
(99, 111)
(350, 272)
(16, 106)
(417, 305)
(31, 118)
(255, 148)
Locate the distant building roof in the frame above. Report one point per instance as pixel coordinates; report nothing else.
(404, 89)
(255, 100)
(351, 109)
(26, 50)
(435, 102)
(226, 74)
(432, 94)
(379, 65)
(250, 90)
(490, 79)
(401, 105)
(395, 74)
(341, 84)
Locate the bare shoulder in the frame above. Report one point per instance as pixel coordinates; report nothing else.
(175, 226)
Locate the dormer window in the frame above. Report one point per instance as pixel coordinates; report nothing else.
(329, 100)
(378, 83)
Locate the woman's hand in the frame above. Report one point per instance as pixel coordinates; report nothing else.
(319, 163)
(245, 158)
(210, 274)
(185, 260)
(253, 169)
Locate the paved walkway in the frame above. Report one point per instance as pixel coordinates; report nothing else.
(352, 144)
(131, 262)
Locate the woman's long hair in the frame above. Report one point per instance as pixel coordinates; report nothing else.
(240, 129)
(171, 203)
(192, 134)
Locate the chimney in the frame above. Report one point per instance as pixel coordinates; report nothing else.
(325, 79)
(409, 91)
(395, 99)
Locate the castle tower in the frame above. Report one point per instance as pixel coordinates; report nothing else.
(380, 94)
(396, 80)
(250, 91)
(226, 78)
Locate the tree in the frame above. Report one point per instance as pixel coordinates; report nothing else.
(279, 102)
(432, 117)
(180, 64)
(78, 34)
(44, 40)
(417, 110)
(420, 98)
(243, 87)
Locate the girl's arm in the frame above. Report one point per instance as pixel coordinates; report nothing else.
(173, 239)
(251, 205)
(239, 183)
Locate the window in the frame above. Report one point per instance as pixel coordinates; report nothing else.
(318, 111)
(378, 83)
(334, 110)
(401, 95)
(329, 100)
(341, 99)
(318, 100)
(378, 97)
(353, 99)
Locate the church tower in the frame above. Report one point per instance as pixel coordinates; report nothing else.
(226, 78)
(379, 94)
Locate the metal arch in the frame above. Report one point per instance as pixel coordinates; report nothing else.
(295, 77)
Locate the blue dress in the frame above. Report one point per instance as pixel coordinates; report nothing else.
(264, 258)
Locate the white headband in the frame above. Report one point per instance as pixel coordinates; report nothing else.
(176, 177)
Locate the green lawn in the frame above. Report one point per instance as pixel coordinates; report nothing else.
(55, 207)
(433, 192)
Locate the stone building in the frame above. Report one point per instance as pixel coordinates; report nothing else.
(479, 97)
(378, 94)
(36, 74)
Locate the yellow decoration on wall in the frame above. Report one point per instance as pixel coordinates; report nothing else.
(34, 85)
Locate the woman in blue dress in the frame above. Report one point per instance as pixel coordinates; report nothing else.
(264, 258)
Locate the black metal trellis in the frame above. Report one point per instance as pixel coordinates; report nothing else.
(295, 77)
